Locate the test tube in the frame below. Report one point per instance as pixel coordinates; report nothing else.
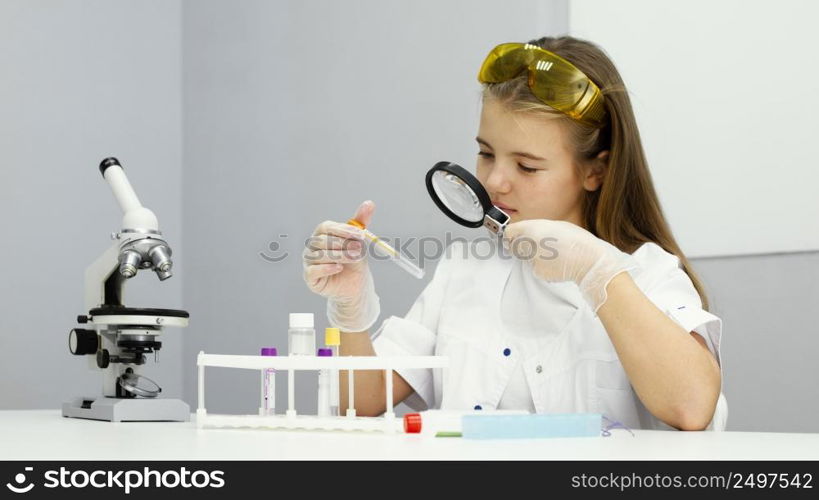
(387, 251)
(446, 423)
(324, 386)
(332, 339)
(268, 398)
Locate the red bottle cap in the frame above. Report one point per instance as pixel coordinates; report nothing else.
(412, 423)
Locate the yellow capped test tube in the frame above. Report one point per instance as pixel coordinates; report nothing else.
(388, 251)
(332, 339)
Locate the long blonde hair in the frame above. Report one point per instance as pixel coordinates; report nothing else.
(625, 210)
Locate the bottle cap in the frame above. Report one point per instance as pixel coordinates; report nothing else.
(301, 320)
(412, 423)
(269, 351)
(332, 336)
(324, 352)
(356, 223)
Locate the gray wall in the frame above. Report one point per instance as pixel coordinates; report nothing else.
(770, 338)
(81, 81)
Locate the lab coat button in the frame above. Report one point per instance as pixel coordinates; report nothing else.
(478, 407)
(538, 368)
(507, 352)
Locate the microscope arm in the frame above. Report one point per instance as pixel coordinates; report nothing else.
(103, 283)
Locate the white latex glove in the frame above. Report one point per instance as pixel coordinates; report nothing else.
(335, 266)
(562, 251)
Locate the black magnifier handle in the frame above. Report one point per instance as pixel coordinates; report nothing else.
(496, 220)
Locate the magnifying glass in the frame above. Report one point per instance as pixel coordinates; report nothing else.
(463, 199)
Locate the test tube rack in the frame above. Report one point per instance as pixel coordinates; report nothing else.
(387, 423)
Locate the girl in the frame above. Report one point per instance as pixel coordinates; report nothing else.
(608, 317)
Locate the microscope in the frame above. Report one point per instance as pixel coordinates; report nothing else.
(115, 338)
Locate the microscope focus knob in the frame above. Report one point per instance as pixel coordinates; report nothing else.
(82, 341)
(103, 358)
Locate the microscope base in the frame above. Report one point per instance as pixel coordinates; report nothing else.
(128, 410)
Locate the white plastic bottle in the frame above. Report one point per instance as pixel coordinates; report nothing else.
(301, 337)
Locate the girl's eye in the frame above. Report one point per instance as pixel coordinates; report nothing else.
(523, 168)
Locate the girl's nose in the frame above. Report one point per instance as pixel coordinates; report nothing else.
(498, 180)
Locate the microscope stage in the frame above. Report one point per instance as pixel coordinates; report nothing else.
(121, 315)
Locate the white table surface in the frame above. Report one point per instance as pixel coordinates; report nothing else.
(47, 435)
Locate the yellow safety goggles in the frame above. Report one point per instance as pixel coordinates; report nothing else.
(552, 79)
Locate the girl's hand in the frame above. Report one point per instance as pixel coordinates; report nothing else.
(335, 267)
(562, 251)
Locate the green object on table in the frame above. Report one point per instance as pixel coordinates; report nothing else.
(448, 434)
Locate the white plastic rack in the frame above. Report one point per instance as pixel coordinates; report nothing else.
(290, 419)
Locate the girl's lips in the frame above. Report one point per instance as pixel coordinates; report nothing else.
(503, 207)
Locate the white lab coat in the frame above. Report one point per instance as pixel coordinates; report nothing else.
(494, 318)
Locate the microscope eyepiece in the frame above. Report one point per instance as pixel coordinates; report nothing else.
(108, 162)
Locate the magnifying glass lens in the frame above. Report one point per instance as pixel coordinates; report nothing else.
(457, 196)
(463, 199)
